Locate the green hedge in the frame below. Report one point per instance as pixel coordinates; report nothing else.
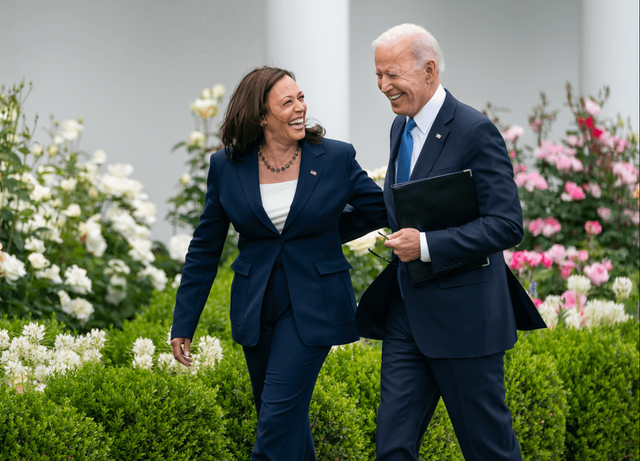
(600, 369)
(35, 428)
(149, 416)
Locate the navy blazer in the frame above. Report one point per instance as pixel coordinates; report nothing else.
(317, 272)
(470, 313)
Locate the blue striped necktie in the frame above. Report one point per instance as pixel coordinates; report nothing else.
(405, 153)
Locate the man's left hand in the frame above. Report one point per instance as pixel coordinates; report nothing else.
(405, 244)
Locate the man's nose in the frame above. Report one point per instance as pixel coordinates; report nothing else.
(384, 84)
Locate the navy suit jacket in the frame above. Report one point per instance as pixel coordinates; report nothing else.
(317, 272)
(468, 314)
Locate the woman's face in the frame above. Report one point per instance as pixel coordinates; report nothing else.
(286, 112)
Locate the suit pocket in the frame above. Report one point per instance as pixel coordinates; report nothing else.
(239, 289)
(337, 293)
(482, 274)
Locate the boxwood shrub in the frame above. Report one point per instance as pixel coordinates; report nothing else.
(35, 428)
(149, 415)
(600, 369)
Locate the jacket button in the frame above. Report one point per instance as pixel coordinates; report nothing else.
(280, 242)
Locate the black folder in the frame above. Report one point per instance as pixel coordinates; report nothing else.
(436, 203)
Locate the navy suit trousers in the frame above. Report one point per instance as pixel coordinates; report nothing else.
(411, 385)
(283, 373)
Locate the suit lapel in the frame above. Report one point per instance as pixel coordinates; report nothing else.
(390, 179)
(435, 139)
(250, 180)
(310, 171)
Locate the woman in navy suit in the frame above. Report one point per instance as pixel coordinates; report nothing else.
(285, 188)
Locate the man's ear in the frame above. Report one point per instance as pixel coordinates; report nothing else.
(430, 70)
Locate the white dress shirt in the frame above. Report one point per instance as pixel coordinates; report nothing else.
(277, 199)
(424, 120)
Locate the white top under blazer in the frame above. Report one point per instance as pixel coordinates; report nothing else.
(277, 199)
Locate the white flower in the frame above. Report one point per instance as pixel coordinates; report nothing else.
(218, 91)
(33, 332)
(33, 244)
(144, 210)
(167, 362)
(5, 341)
(90, 233)
(91, 355)
(64, 341)
(206, 94)
(176, 281)
(52, 150)
(99, 157)
(574, 318)
(209, 350)
(97, 338)
(69, 184)
(622, 287)
(36, 150)
(48, 174)
(144, 362)
(119, 186)
(79, 308)
(204, 107)
(64, 359)
(141, 250)
(12, 268)
(196, 139)
(41, 372)
(70, 129)
(116, 266)
(15, 371)
(178, 246)
(52, 273)
(38, 261)
(601, 312)
(143, 346)
(157, 276)
(40, 193)
(591, 108)
(579, 283)
(72, 211)
(185, 179)
(360, 245)
(116, 290)
(76, 278)
(120, 170)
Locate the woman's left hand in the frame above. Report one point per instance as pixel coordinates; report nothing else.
(182, 354)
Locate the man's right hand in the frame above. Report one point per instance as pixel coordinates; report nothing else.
(180, 353)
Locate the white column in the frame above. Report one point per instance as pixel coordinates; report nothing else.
(610, 55)
(311, 39)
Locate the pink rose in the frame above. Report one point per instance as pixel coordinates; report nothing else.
(536, 226)
(533, 258)
(608, 139)
(623, 144)
(634, 216)
(536, 125)
(583, 255)
(536, 301)
(567, 270)
(513, 133)
(597, 273)
(574, 191)
(593, 189)
(627, 173)
(518, 260)
(551, 226)
(563, 163)
(571, 299)
(607, 264)
(593, 227)
(520, 168)
(531, 181)
(512, 154)
(604, 213)
(557, 253)
(546, 260)
(591, 108)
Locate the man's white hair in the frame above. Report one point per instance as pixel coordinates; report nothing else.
(424, 45)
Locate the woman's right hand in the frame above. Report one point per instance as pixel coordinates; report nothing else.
(180, 353)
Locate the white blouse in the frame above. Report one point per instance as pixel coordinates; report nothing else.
(277, 199)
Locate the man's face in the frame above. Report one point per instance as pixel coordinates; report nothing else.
(407, 88)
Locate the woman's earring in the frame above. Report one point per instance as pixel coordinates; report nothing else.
(264, 124)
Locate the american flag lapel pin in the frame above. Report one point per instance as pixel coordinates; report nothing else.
(438, 136)
(313, 172)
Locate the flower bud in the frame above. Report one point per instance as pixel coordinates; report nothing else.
(185, 179)
(36, 150)
(53, 150)
(218, 91)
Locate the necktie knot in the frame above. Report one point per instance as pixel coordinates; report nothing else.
(411, 124)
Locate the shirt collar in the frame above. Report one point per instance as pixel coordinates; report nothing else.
(424, 119)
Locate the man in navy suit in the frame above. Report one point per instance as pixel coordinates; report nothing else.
(445, 336)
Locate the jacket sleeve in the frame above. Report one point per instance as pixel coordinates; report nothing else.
(365, 211)
(500, 224)
(201, 263)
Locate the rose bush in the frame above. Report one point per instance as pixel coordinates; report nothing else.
(75, 241)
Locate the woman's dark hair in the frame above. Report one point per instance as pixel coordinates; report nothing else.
(241, 128)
